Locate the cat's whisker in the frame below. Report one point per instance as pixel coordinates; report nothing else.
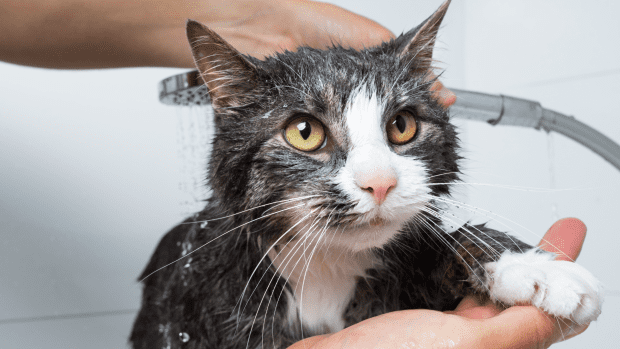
(266, 253)
(417, 223)
(301, 303)
(290, 200)
(210, 241)
(301, 242)
(267, 289)
(253, 208)
(444, 216)
(454, 250)
(288, 258)
(560, 327)
(279, 274)
(476, 210)
(513, 187)
(241, 311)
(334, 233)
(264, 256)
(424, 221)
(442, 174)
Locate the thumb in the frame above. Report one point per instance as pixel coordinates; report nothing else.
(527, 326)
(565, 238)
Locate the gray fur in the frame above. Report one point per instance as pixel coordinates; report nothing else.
(217, 297)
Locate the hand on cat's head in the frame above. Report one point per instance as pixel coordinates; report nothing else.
(472, 324)
(262, 28)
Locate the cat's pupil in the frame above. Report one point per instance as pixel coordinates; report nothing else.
(304, 129)
(401, 124)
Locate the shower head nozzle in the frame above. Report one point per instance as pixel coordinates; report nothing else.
(185, 89)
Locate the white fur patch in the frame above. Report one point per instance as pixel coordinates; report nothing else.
(370, 151)
(560, 288)
(325, 278)
(323, 283)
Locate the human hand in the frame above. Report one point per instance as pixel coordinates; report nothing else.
(471, 324)
(133, 33)
(276, 26)
(100, 33)
(260, 28)
(256, 27)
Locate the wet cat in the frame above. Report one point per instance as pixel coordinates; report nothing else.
(327, 169)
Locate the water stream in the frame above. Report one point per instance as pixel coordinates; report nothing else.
(194, 134)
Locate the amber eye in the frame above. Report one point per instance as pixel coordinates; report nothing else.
(305, 133)
(401, 128)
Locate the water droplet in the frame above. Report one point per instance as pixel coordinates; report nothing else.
(184, 337)
(203, 224)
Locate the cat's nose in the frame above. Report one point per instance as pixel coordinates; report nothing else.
(377, 182)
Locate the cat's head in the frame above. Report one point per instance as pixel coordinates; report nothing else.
(353, 138)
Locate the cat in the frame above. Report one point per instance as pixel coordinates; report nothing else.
(328, 168)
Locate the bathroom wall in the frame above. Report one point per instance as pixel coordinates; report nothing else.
(93, 170)
(564, 54)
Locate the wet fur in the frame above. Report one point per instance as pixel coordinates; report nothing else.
(222, 292)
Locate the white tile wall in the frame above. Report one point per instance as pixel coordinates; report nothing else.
(89, 183)
(91, 164)
(564, 54)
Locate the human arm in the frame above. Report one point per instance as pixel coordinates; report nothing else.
(75, 34)
(105, 34)
(471, 325)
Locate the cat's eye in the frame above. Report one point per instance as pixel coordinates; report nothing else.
(305, 133)
(401, 128)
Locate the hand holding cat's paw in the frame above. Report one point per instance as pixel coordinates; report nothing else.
(560, 288)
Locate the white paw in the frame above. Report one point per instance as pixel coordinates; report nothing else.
(563, 289)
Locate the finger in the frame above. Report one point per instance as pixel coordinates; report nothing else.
(308, 343)
(444, 96)
(478, 313)
(528, 326)
(520, 327)
(473, 307)
(565, 238)
(468, 303)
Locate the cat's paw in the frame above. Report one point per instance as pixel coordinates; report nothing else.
(560, 288)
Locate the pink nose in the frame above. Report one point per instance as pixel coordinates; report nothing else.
(378, 184)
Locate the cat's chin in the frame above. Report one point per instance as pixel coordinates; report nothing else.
(377, 222)
(374, 233)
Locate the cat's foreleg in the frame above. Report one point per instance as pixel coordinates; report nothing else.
(512, 272)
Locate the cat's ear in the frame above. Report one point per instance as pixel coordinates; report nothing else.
(229, 76)
(418, 43)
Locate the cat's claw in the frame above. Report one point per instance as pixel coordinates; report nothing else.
(560, 288)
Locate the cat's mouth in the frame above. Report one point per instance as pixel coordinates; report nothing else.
(377, 221)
